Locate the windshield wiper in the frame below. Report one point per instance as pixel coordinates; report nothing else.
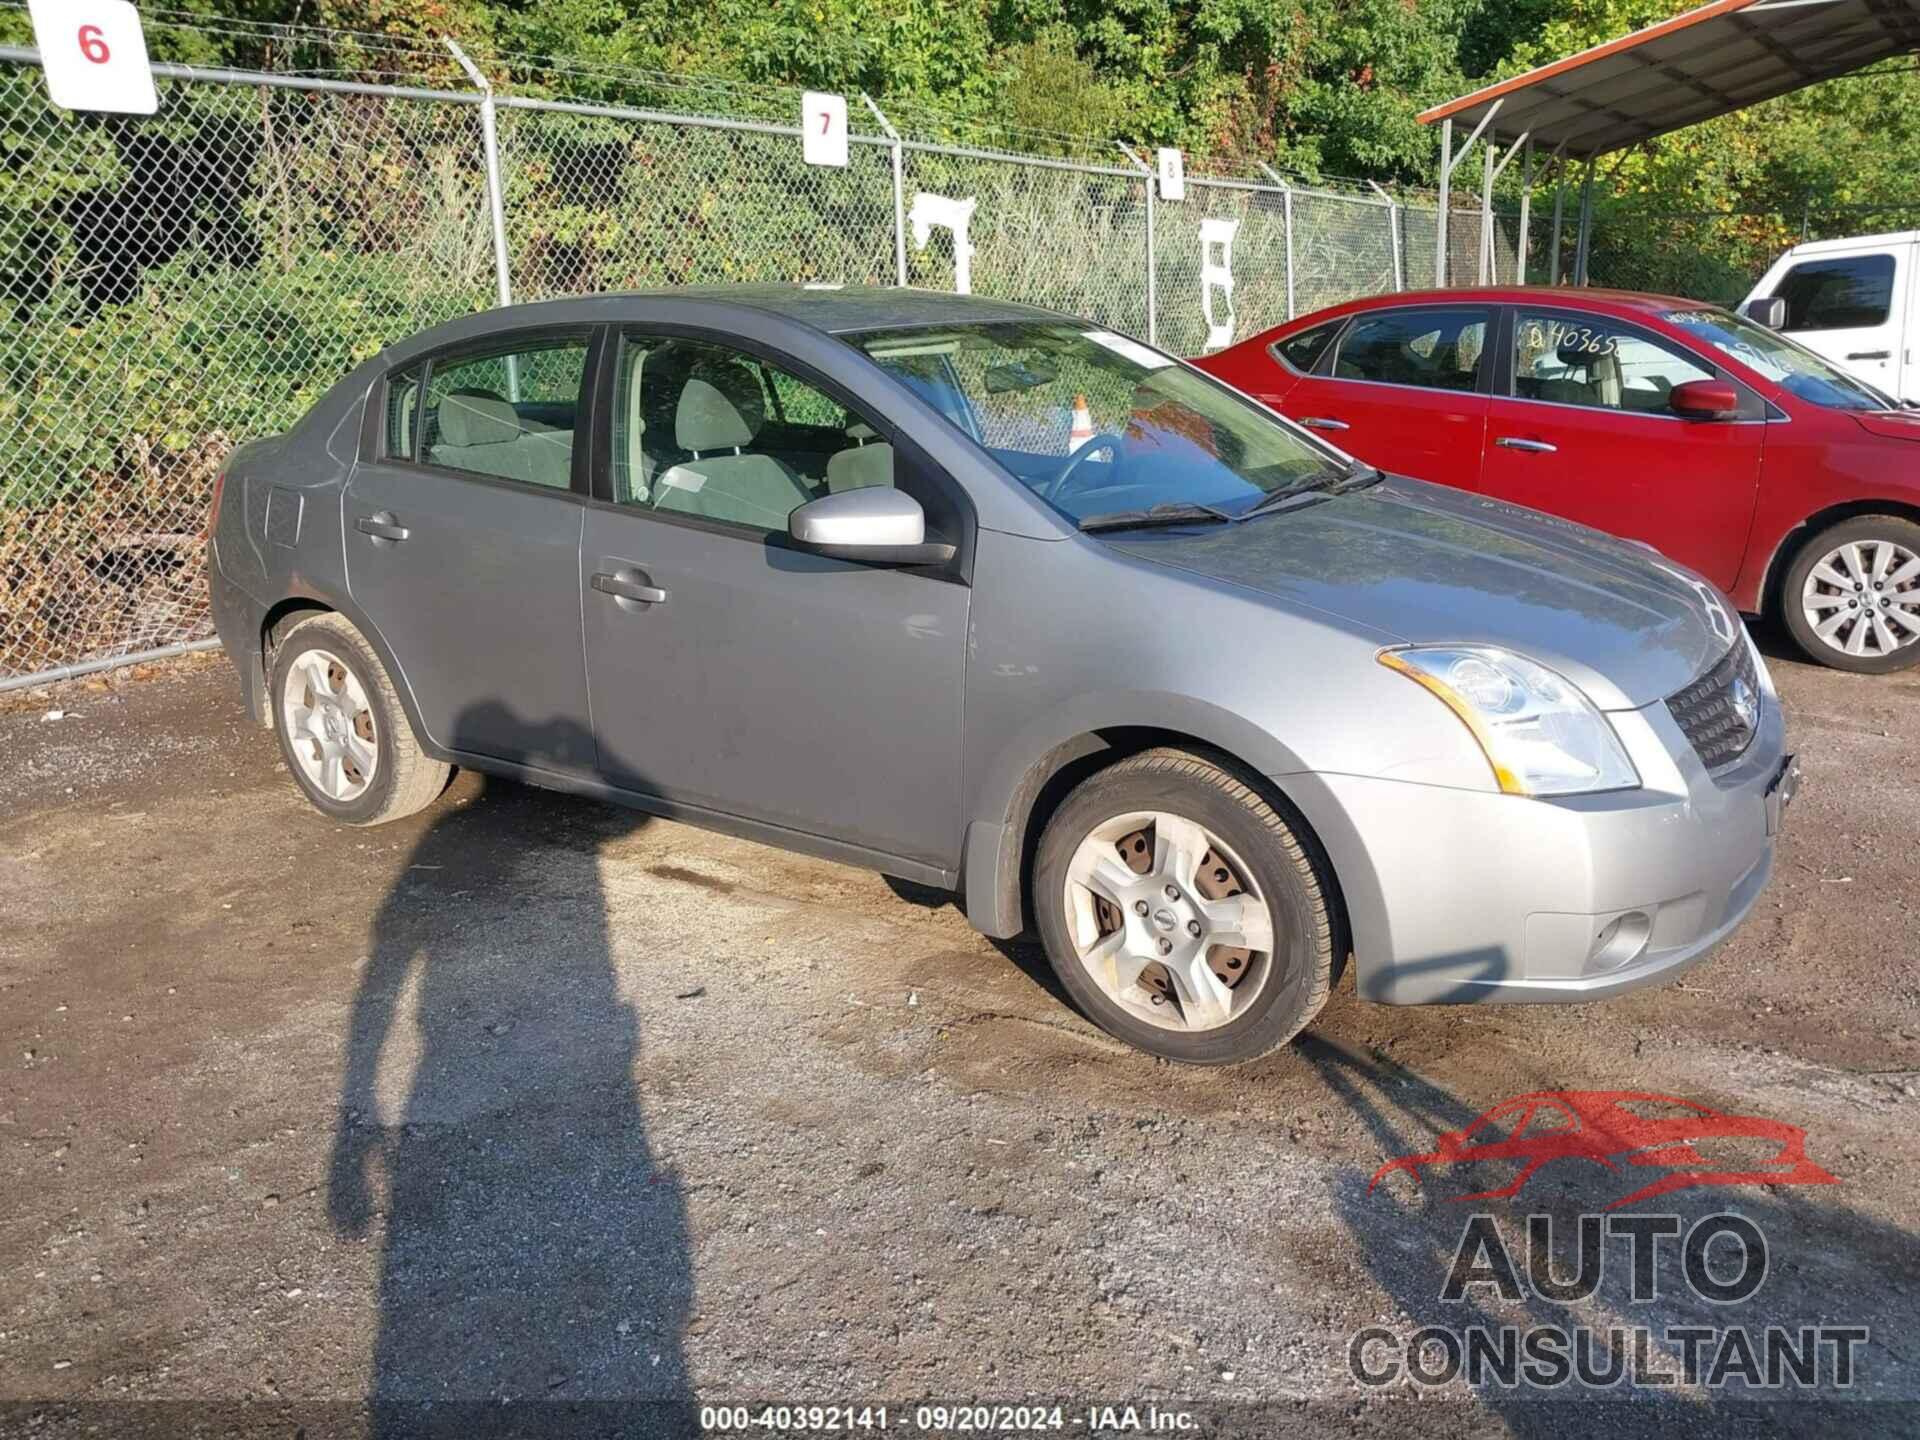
(1352, 477)
(1171, 513)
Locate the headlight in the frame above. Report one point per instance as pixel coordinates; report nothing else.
(1540, 734)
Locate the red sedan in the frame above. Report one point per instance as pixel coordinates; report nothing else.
(1791, 485)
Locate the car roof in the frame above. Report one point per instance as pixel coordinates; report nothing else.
(1617, 301)
(1855, 242)
(836, 309)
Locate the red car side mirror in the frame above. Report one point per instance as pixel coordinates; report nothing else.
(1705, 400)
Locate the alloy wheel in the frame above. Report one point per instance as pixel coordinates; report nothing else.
(1863, 598)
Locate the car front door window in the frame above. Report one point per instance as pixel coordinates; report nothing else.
(1576, 359)
(705, 431)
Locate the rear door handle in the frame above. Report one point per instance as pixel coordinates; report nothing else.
(381, 526)
(621, 587)
(1532, 447)
(1871, 355)
(1322, 422)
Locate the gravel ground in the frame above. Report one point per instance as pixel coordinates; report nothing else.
(533, 1115)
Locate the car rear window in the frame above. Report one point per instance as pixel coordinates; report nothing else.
(1430, 349)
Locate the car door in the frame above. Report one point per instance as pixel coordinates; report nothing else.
(744, 676)
(1406, 391)
(1582, 429)
(1853, 309)
(462, 542)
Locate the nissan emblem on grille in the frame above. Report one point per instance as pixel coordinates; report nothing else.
(1720, 712)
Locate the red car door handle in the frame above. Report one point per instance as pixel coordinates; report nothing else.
(1322, 422)
(1532, 447)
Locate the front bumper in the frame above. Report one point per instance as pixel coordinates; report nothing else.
(1459, 896)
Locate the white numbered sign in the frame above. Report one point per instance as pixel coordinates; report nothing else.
(1173, 174)
(823, 127)
(94, 55)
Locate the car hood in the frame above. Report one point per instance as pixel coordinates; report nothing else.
(1893, 424)
(1430, 565)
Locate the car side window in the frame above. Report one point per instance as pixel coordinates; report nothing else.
(508, 414)
(1440, 349)
(1853, 292)
(1589, 360)
(1303, 351)
(704, 430)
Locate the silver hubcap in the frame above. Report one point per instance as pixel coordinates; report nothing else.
(1168, 921)
(330, 726)
(1863, 599)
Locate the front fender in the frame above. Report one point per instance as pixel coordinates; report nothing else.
(996, 841)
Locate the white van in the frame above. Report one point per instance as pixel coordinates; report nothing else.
(1853, 302)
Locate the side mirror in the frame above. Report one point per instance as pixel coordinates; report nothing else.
(876, 524)
(1768, 310)
(1705, 400)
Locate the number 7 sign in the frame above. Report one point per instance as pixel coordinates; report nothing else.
(823, 128)
(94, 55)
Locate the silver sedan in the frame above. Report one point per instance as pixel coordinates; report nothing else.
(1001, 601)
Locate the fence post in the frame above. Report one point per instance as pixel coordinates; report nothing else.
(899, 194)
(491, 143)
(1153, 298)
(1393, 234)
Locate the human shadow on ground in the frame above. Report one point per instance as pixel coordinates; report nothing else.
(535, 1275)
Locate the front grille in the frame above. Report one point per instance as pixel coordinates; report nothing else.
(1720, 711)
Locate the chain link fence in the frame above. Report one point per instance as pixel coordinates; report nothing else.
(184, 282)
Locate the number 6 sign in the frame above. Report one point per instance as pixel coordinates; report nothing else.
(94, 55)
(823, 128)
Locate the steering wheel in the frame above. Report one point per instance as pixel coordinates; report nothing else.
(1053, 488)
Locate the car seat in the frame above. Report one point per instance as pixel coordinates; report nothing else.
(720, 410)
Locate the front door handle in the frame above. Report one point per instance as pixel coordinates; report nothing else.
(623, 587)
(1871, 355)
(1532, 447)
(382, 527)
(1323, 422)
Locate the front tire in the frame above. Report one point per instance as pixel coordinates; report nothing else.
(1182, 912)
(346, 740)
(1851, 598)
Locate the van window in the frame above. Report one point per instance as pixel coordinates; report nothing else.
(1853, 292)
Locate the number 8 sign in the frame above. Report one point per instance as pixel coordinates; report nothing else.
(94, 55)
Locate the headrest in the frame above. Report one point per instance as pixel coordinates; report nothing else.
(720, 408)
(1578, 353)
(860, 432)
(477, 417)
(860, 467)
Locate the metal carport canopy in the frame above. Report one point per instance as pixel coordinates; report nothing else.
(1708, 62)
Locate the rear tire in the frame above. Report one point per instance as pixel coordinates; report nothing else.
(343, 733)
(1167, 869)
(1831, 607)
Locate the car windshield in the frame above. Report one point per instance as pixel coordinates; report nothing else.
(1038, 395)
(1796, 369)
